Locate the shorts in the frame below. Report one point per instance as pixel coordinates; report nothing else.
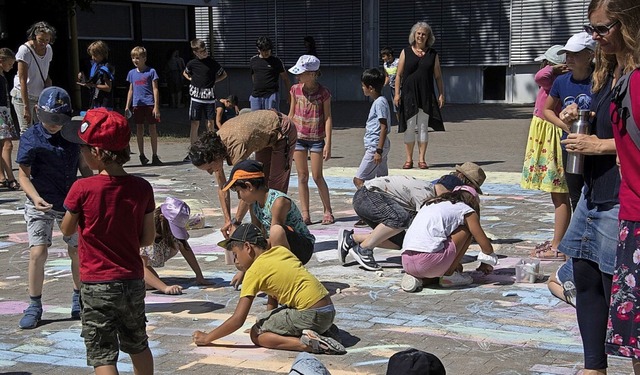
(593, 234)
(311, 146)
(428, 265)
(144, 115)
(265, 102)
(368, 170)
(565, 272)
(40, 226)
(299, 245)
(285, 321)
(113, 319)
(199, 110)
(375, 208)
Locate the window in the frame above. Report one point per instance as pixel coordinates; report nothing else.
(154, 19)
(98, 23)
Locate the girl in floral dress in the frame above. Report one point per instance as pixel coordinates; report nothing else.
(7, 130)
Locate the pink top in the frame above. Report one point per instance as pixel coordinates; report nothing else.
(308, 112)
(544, 78)
(629, 156)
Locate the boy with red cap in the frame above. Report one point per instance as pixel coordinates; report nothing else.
(113, 213)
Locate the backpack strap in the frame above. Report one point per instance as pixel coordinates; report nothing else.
(622, 100)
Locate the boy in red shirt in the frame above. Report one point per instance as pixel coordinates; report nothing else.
(113, 213)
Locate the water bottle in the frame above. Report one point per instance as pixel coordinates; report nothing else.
(575, 161)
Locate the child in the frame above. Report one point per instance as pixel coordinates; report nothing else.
(390, 65)
(376, 143)
(48, 165)
(203, 72)
(100, 82)
(305, 305)
(439, 236)
(7, 130)
(113, 213)
(543, 168)
(266, 72)
(311, 113)
(561, 283)
(226, 109)
(144, 97)
(171, 236)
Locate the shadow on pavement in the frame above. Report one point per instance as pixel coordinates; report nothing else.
(191, 307)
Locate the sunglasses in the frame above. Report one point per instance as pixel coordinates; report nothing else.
(601, 30)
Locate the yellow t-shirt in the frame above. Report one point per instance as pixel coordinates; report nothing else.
(280, 274)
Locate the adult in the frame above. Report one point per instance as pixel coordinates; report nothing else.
(415, 97)
(591, 239)
(266, 72)
(270, 134)
(34, 58)
(175, 67)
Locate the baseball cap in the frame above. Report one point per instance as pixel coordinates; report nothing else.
(246, 232)
(552, 56)
(473, 173)
(306, 63)
(100, 128)
(244, 170)
(450, 181)
(54, 106)
(177, 214)
(578, 42)
(415, 362)
(467, 188)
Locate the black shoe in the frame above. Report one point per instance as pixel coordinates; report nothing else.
(360, 224)
(155, 160)
(143, 160)
(187, 158)
(345, 243)
(365, 258)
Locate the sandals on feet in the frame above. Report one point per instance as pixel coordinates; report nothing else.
(328, 219)
(545, 251)
(11, 185)
(408, 165)
(423, 165)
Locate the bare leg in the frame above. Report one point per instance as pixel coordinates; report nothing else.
(211, 125)
(422, 151)
(75, 266)
(318, 178)
(636, 366)
(278, 237)
(6, 166)
(380, 234)
(359, 238)
(462, 238)
(106, 370)
(275, 341)
(302, 168)
(193, 134)
(562, 217)
(140, 138)
(37, 258)
(408, 149)
(153, 134)
(142, 362)
(555, 287)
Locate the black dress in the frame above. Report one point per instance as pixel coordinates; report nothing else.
(417, 89)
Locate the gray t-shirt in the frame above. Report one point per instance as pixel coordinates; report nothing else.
(408, 191)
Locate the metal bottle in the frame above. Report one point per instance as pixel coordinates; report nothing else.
(575, 161)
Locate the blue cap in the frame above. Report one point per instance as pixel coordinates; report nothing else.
(450, 181)
(54, 106)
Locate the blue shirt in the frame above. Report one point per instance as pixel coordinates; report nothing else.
(570, 91)
(379, 110)
(53, 161)
(142, 83)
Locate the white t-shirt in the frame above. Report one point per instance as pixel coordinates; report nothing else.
(409, 192)
(433, 225)
(35, 84)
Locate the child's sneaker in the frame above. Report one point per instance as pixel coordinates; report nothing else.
(321, 344)
(456, 279)
(75, 306)
(569, 289)
(365, 258)
(345, 243)
(155, 160)
(143, 160)
(410, 283)
(361, 224)
(187, 159)
(31, 318)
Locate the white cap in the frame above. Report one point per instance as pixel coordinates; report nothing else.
(551, 55)
(306, 63)
(578, 42)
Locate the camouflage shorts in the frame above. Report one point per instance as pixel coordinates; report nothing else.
(113, 319)
(285, 321)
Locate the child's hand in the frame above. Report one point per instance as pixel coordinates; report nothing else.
(156, 113)
(42, 205)
(326, 152)
(485, 268)
(377, 159)
(237, 280)
(200, 338)
(173, 289)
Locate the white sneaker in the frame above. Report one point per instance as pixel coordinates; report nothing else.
(410, 283)
(456, 279)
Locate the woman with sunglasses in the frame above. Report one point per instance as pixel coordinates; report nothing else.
(592, 237)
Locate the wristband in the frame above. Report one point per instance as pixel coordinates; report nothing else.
(379, 151)
(490, 259)
(235, 222)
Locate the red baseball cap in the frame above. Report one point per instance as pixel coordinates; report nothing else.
(100, 128)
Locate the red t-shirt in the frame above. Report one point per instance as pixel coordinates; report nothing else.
(112, 211)
(629, 156)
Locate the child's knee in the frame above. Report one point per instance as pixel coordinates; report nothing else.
(7, 145)
(358, 182)
(254, 333)
(38, 253)
(303, 177)
(72, 251)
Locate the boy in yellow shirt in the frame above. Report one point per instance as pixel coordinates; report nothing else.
(305, 306)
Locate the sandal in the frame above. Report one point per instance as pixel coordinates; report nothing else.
(547, 253)
(408, 165)
(4, 183)
(328, 219)
(423, 165)
(12, 185)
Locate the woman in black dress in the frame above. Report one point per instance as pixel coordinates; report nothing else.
(415, 96)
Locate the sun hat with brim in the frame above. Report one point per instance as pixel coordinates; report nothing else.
(177, 214)
(473, 173)
(551, 55)
(244, 170)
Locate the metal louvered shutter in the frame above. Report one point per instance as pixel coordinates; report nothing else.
(489, 32)
(536, 25)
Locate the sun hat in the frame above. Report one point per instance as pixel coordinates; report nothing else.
(177, 214)
(473, 173)
(54, 106)
(552, 56)
(468, 189)
(244, 170)
(306, 63)
(100, 128)
(246, 232)
(578, 42)
(415, 362)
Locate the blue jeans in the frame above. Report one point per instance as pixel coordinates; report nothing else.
(267, 102)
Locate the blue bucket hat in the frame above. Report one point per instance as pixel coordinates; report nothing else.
(54, 106)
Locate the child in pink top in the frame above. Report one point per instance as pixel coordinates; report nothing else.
(311, 113)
